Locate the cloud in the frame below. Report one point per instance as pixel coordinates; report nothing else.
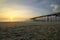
(55, 7)
(15, 9)
(27, 10)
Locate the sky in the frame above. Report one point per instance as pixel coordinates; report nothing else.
(18, 10)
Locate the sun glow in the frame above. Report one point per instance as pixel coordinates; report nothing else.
(11, 18)
(12, 13)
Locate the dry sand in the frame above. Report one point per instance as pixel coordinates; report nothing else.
(29, 30)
